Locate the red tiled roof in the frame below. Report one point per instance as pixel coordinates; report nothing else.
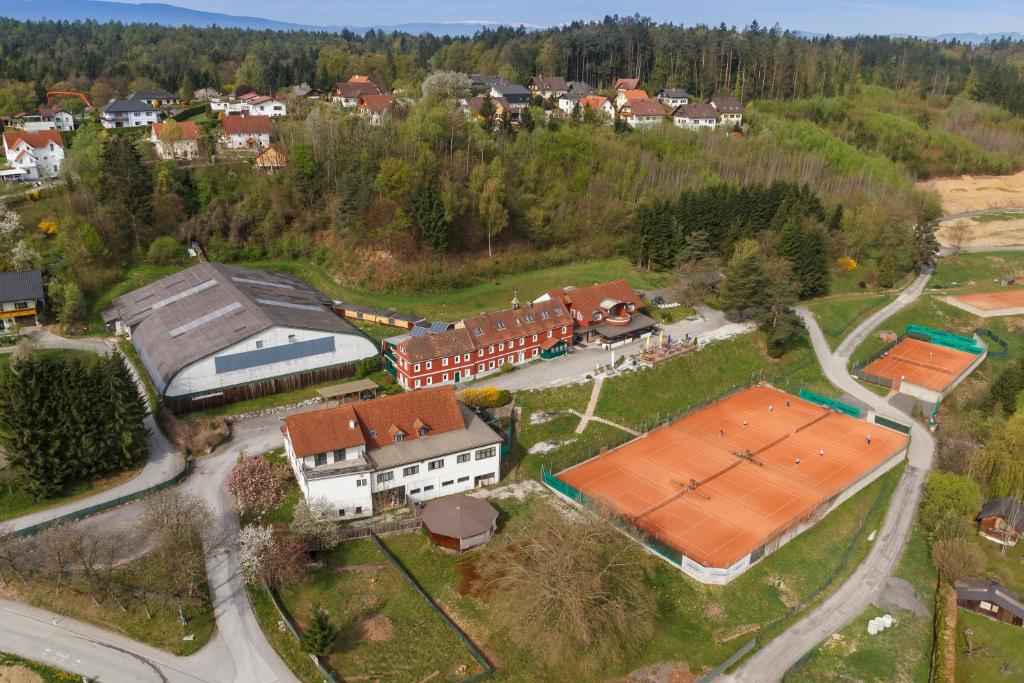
(375, 421)
(511, 323)
(727, 105)
(189, 130)
(643, 106)
(549, 343)
(438, 345)
(375, 102)
(627, 83)
(246, 124)
(588, 299)
(35, 139)
(355, 90)
(359, 79)
(634, 94)
(595, 102)
(549, 83)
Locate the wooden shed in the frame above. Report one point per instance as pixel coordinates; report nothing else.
(1001, 520)
(990, 598)
(459, 522)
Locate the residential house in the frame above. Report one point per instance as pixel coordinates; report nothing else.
(1001, 520)
(599, 105)
(730, 111)
(695, 116)
(369, 456)
(249, 133)
(271, 159)
(156, 98)
(33, 155)
(348, 94)
(57, 116)
(375, 108)
(624, 84)
(991, 599)
(214, 333)
(567, 102)
(607, 313)
(642, 112)
(474, 106)
(264, 105)
(672, 98)
(480, 345)
(21, 298)
(127, 114)
(480, 83)
(186, 146)
(547, 86)
(517, 98)
(580, 89)
(626, 95)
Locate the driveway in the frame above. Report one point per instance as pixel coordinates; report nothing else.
(577, 365)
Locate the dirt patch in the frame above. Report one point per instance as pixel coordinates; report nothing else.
(785, 593)
(731, 634)
(976, 193)
(837, 643)
(714, 611)
(967, 232)
(467, 576)
(197, 433)
(18, 674)
(377, 628)
(665, 672)
(359, 568)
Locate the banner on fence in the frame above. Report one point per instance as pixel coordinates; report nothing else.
(831, 403)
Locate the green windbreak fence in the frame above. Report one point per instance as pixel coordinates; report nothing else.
(563, 488)
(943, 338)
(892, 424)
(831, 403)
(997, 348)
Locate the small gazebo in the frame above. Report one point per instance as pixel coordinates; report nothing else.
(459, 522)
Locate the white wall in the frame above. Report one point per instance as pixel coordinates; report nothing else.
(239, 140)
(202, 376)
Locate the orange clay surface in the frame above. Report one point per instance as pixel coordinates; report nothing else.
(739, 504)
(991, 301)
(918, 362)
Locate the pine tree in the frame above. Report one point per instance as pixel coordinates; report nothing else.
(428, 214)
(813, 268)
(319, 636)
(487, 113)
(747, 287)
(835, 219)
(128, 413)
(696, 245)
(126, 189)
(887, 270)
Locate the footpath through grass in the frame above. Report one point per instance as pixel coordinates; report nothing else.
(838, 315)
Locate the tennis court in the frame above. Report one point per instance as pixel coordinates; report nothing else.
(921, 363)
(993, 301)
(730, 478)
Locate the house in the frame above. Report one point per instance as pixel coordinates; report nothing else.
(477, 346)
(271, 159)
(672, 98)
(501, 107)
(214, 334)
(481, 83)
(1001, 520)
(379, 316)
(624, 84)
(567, 102)
(547, 86)
(459, 522)
(184, 147)
(730, 111)
(580, 89)
(695, 116)
(33, 155)
(127, 114)
(599, 105)
(250, 133)
(156, 98)
(516, 96)
(56, 116)
(375, 108)
(264, 105)
(21, 298)
(348, 94)
(606, 313)
(627, 95)
(368, 456)
(642, 112)
(991, 599)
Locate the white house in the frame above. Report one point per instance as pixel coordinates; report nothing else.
(695, 116)
(365, 457)
(672, 97)
(264, 105)
(250, 133)
(158, 98)
(547, 86)
(729, 111)
(127, 114)
(599, 105)
(33, 155)
(567, 102)
(642, 112)
(48, 118)
(348, 93)
(375, 108)
(213, 334)
(185, 147)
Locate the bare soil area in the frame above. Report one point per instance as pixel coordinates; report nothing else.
(975, 234)
(19, 674)
(977, 193)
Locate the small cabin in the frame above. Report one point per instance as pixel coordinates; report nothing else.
(459, 522)
(1001, 520)
(991, 599)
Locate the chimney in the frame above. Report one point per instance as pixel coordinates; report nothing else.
(515, 301)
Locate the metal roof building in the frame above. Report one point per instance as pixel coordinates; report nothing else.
(216, 333)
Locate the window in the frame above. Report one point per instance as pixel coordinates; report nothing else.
(530, 318)
(428, 488)
(549, 334)
(417, 384)
(563, 329)
(259, 344)
(559, 311)
(534, 337)
(490, 349)
(448, 483)
(492, 365)
(413, 492)
(411, 470)
(480, 352)
(292, 339)
(485, 453)
(501, 347)
(359, 509)
(477, 330)
(430, 380)
(424, 430)
(399, 436)
(360, 482)
(535, 353)
(465, 359)
(444, 377)
(373, 432)
(339, 456)
(20, 305)
(319, 459)
(545, 315)
(463, 457)
(430, 364)
(462, 479)
(522, 341)
(444, 361)
(341, 512)
(416, 368)
(435, 464)
(385, 477)
(500, 325)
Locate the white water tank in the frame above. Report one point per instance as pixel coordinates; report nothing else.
(872, 627)
(887, 620)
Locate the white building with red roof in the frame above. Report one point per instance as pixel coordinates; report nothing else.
(368, 456)
(607, 313)
(32, 155)
(182, 145)
(251, 133)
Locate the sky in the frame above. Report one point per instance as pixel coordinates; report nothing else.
(845, 17)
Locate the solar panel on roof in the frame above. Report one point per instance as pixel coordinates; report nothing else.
(212, 315)
(265, 283)
(438, 326)
(419, 332)
(288, 304)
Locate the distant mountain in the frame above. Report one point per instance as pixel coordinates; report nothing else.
(169, 15)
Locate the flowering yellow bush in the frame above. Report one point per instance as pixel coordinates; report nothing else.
(484, 397)
(846, 264)
(48, 227)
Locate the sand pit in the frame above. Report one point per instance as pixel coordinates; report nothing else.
(977, 193)
(1002, 302)
(976, 234)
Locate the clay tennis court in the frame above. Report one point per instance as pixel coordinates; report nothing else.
(992, 301)
(919, 362)
(741, 453)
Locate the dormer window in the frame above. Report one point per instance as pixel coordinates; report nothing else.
(559, 311)
(399, 436)
(477, 330)
(424, 431)
(545, 315)
(500, 325)
(530, 318)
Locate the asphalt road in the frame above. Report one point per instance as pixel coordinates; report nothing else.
(772, 661)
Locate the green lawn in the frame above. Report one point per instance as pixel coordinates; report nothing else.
(1000, 216)
(699, 624)
(1008, 568)
(900, 653)
(48, 674)
(1001, 655)
(837, 316)
(417, 645)
(15, 502)
(978, 268)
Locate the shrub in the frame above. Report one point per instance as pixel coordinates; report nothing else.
(485, 397)
(165, 251)
(846, 264)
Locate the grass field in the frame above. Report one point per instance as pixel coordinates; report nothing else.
(696, 623)
(1008, 568)
(837, 316)
(958, 271)
(999, 216)
(416, 645)
(15, 502)
(1001, 656)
